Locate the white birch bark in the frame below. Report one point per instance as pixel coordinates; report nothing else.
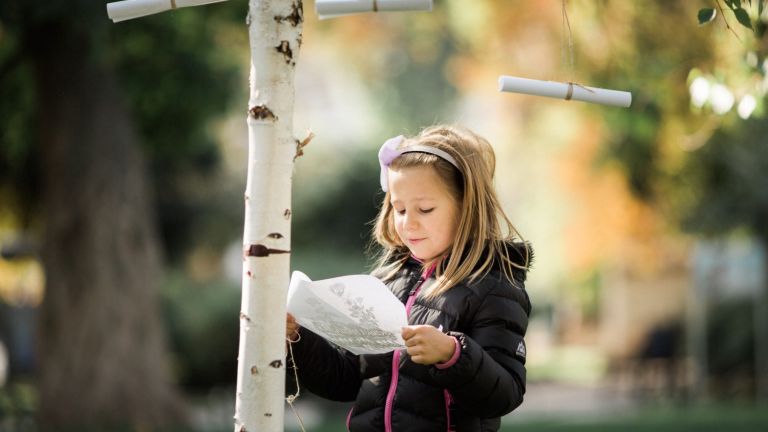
(275, 35)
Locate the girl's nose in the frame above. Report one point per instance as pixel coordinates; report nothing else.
(411, 222)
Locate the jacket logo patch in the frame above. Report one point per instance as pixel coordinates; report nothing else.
(521, 349)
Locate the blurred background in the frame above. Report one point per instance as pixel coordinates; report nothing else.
(123, 151)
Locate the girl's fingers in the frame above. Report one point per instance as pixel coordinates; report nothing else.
(291, 327)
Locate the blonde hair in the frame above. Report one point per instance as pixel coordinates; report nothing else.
(483, 230)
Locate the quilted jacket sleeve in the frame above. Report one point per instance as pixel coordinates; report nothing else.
(323, 369)
(488, 379)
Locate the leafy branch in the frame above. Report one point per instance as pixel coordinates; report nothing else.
(741, 14)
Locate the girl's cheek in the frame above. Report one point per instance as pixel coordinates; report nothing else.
(398, 224)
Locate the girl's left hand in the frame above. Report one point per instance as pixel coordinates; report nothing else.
(427, 345)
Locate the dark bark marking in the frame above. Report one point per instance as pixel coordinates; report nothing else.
(276, 364)
(258, 250)
(267, 414)
(285, 49)
(296, 16)
(287, 213)
(249, 274)
(245, 317)
(261, 112)
(301, 144)
(275, 236)
(254, 370)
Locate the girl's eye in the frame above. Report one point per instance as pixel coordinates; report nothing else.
(427, 210)
(400, 212)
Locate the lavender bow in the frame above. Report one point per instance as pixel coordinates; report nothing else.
(387, 153)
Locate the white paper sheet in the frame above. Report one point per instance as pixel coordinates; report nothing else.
(335, 8)
(559, 90)
(130, 9)
(358, 312)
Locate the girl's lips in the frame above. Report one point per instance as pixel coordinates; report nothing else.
(415, 241)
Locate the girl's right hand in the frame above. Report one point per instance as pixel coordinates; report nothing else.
(291, 328)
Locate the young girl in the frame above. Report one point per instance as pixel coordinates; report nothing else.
(449, 254)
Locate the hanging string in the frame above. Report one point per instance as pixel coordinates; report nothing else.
(567, 55)
(291, 398)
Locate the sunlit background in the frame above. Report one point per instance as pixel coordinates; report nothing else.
(649, 223)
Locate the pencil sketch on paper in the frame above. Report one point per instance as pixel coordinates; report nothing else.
(356, 312)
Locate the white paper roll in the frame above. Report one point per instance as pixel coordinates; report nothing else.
(334, 8)
(130, 9)
(560, 90)
(405, 5)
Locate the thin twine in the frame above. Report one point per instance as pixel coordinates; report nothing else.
(570, 68)
(291, 398)
(567, 30)
(173, 4)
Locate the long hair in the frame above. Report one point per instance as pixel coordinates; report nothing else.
(484, 231)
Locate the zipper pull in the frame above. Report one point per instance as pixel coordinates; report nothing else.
(417, 285)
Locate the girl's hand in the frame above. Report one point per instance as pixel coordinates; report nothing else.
(291, 328)
(427, 345)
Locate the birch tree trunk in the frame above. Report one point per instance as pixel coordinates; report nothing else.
(275, 36)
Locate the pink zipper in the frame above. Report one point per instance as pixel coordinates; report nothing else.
(396, 355)
(447, 397)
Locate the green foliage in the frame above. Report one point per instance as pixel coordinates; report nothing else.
(743, 17)
(633, 142)
(178, 74)
(729, 174)
(330, 234)
(706, 15)
(203, 329)
(18, 403)
(18, 181)
(718, 187)
(179, 70)
(413, 88)
(730, 336)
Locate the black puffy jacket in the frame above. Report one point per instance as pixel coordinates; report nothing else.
(489, 319)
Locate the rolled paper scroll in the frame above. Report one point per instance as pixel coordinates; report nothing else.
(566, 91)
(130, 9)
(334, 8)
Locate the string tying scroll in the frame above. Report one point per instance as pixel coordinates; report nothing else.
(569, 90)
(565, 91)
(292, 398)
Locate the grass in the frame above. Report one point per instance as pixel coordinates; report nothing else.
(711, 418)
(715, 419)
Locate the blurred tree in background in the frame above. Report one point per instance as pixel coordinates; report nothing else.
(697, 153)
(103, 128)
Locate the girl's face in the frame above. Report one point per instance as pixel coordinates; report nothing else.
(426, 214)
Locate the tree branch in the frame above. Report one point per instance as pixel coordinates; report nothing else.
(722, 13)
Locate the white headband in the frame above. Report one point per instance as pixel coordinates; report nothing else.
(389, 152)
